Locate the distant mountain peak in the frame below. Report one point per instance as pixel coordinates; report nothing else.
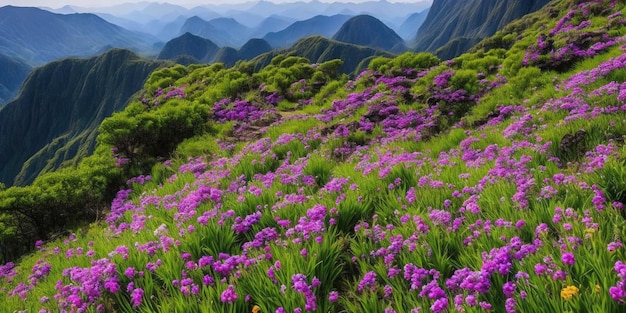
(366, 30)
(201, 49)
(39, 36)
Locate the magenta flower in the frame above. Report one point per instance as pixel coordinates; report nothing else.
(229, 295)
(136, 296)
(333, 296)
(568, 258)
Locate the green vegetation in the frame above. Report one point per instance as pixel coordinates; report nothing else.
(491, 182)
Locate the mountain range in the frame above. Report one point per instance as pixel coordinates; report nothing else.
(38, 36)
(54, 120)
(151, 17)
(321, 25)
(452, 26)
(189, 48)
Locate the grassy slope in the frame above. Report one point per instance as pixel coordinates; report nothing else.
(431, 190)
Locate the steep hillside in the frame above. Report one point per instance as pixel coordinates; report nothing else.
(227, 55)
(493, 182)
(38, 36)
(13, 72)
(318, 49)
(200, 49)
(253, 48)
(321, 25)
(408, 29)
(365, 30)
(465, 23)
(55, 119)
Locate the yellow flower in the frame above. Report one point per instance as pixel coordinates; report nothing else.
(568, 292)
(597, 288)
(256, 309)
(590, 230)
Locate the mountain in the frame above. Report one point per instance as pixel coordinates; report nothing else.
(322, 25)
(39, 36)
(189, 48)
(253, 48)
(366, 30)
(465, 23)
(201, 49)
(227, 55)
(222, 32)
(319, 49)
(54, 120)
(271, 24)
(14, 71)
(234, 30)
(408, 29)
(172, 29)
(383, 10)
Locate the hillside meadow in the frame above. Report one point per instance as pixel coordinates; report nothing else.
(493, 182)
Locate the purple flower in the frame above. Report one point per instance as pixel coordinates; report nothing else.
(369, 280)
(229, 295)
(136, 296)
(612, 246)
(130, 272)
(508, 288)
(568, 258)
(333, 296)
(440, 305)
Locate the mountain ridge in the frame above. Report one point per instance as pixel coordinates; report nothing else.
(467, 22)
(39, 36)
(366, 30)
(70, 118)
(319, 49)
(322, 25)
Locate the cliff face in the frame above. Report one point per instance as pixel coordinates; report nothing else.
(461, 24)
(55, 119)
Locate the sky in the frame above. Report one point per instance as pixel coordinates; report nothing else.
(186, 3)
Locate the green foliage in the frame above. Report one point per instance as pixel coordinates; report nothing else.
(527, 80)
(465, 79)
(408, 60)
(152, 134)
(334, 205)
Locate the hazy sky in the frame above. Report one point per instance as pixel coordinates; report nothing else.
(99, 3)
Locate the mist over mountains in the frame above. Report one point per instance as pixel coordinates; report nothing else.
(251, 14)
(38, 36)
